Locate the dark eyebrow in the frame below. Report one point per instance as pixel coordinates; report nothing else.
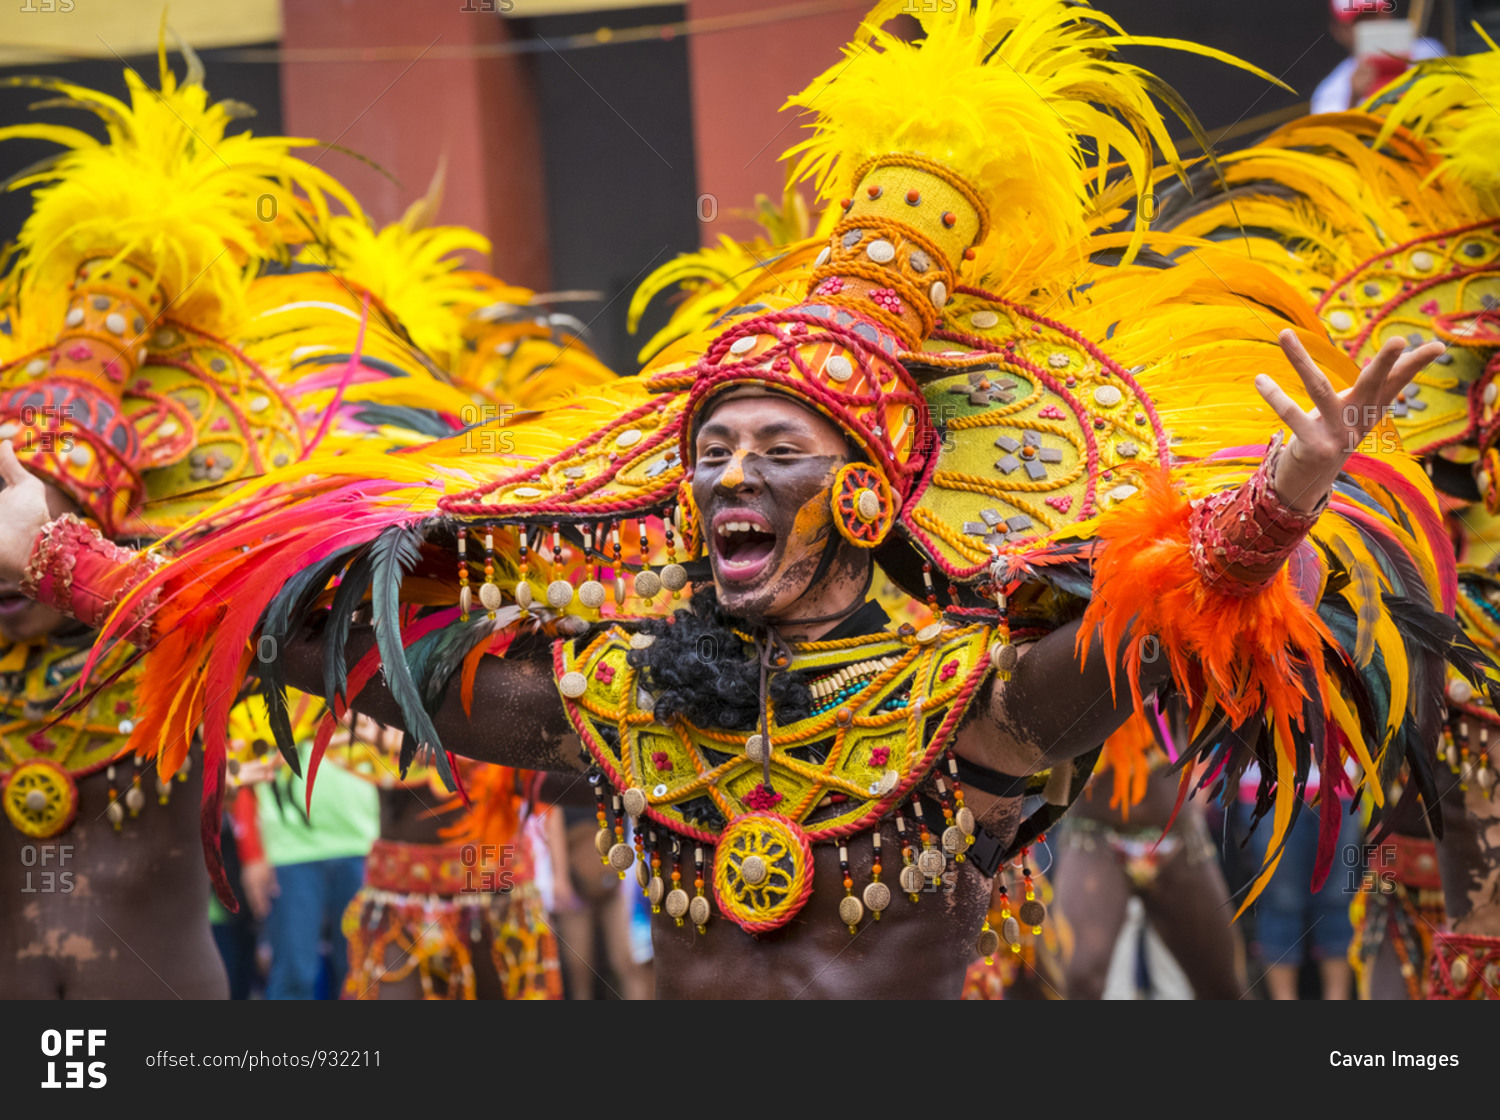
(769, 431)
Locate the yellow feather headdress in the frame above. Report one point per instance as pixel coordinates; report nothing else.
(1450, 104)
(1018, 97)
(167, 188)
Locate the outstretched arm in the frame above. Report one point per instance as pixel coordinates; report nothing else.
(1050, 710)
(518, 718)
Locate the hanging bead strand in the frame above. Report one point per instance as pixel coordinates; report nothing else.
(465, 596)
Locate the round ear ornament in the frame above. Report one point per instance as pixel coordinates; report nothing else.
(864, 509)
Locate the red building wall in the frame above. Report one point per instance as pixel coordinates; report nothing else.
(740, 79)
(479, 112)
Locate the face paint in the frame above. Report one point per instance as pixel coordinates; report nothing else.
(763, 487)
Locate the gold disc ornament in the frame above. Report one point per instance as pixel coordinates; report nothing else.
(699, 911)
(762, 871)
(864, 509)
(41, 799)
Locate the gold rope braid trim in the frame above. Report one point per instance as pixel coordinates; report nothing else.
(993, 417)
(1411, 431)
(942, 171)
(913, 287)
(837, 643)
(906, 232)
(876, 274)
(958, 480)
(925, 519)
(952, 480)
(706, 780)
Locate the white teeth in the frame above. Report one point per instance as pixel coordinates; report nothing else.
(728, 527)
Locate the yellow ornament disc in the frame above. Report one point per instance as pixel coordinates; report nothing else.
(780, 871)
(41, 799)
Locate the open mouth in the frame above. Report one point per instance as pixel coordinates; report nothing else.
(13, 602)
(743, 544)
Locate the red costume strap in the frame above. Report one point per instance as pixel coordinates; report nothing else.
(1464, 966)
(440, 869)
(1241, 538)
(75, 570)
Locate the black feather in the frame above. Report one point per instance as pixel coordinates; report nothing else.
(394, 553)
(346, 601)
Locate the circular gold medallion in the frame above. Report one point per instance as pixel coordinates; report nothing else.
(955, 840)
(647, 584)
(490, 597)
(851, 910)
(559, 593)
(465, 599)
(965, 819)
(988, 943)
(930, 633)
(643, 873)
(604, 840)
(621, 856)
(1010, 932)
(41, 798)
(523, 595)
(1032, 912)
(877, 896)
(1459, 969)
(1003, 656)
(677, 902)
(762, 871)
(591, 593)
(699, 911)
(755, 749)
(656, 890)
(674, 577)
(634, 800)
(930, 862)
(573, 684)
(912, 880)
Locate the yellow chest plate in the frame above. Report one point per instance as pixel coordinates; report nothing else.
(887, 707)
(33, 681)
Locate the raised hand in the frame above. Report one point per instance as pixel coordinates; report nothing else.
(1325, 437)
(26, 505)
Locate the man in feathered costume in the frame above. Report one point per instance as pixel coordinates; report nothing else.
(158, 351)
(1386, 220)
(793, 766)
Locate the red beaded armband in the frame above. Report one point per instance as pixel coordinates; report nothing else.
(76, 571)
(1464, 966)
(1241, 538)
